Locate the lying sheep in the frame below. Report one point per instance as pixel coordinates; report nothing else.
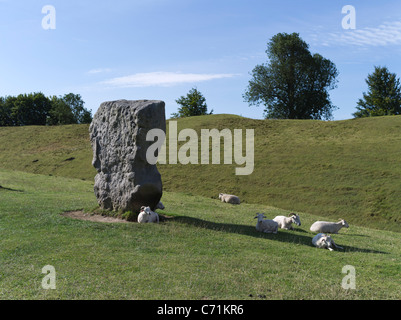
(229, 198)
(267, 226)
(324, 241)
(160, 206)
(329, 227)
(286, 222)
(147, 216)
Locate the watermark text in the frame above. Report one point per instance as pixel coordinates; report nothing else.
(188, 153)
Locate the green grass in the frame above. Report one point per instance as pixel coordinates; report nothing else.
(342, 169)
(48, 150)
(208, 250)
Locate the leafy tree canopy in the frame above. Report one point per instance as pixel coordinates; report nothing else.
(383, 97)
(294, 84)
(37, 109)
(193, 104)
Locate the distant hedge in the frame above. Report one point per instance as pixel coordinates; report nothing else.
(37, 109)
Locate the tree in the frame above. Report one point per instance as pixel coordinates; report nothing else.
(37, 109)
(60, 112)
(29, 109)
(5, 113)
(383, 97)
(6, 118)
(68, 109)
(294, 83)
(194, 104)
(76, 104)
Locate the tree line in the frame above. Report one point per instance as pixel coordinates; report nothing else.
(37, 109)
(295, 83)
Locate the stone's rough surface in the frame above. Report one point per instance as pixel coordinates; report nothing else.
(125, 180)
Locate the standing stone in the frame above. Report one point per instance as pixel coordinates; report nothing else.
(125, 180)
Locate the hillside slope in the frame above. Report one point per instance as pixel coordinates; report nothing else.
(343, 169)
(204, 250)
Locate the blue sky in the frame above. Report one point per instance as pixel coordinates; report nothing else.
(160, 49)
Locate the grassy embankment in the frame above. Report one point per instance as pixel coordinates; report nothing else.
(207, 250)
(343, 169)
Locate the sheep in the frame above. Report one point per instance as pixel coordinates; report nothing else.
(267, 226)
(160, 206)
(286, 222)
(329, 227)
(229, 198)
(324, 241)
(146, 215)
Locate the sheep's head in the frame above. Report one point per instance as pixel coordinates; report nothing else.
(344, 223)
(329, 242)
(259, 216)
(326, 240)
(295, 219)
(220, 195)
(146, 210)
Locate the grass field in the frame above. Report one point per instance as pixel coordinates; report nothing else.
(207, 250)
(342, 169)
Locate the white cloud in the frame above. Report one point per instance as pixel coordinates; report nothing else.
(99, 70)
(388, 33)
(165, 79)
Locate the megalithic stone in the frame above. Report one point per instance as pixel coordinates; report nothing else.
(125, 180)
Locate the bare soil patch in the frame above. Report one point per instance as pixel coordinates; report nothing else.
(81, 215)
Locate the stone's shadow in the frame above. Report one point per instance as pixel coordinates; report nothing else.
(9, 189)
(291, 236)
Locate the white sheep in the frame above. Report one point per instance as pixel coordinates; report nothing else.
(286, 222)
(328, 227)
(324, 241)
(147, 216)
(160, 206)
(229, 198)
(267, 226)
